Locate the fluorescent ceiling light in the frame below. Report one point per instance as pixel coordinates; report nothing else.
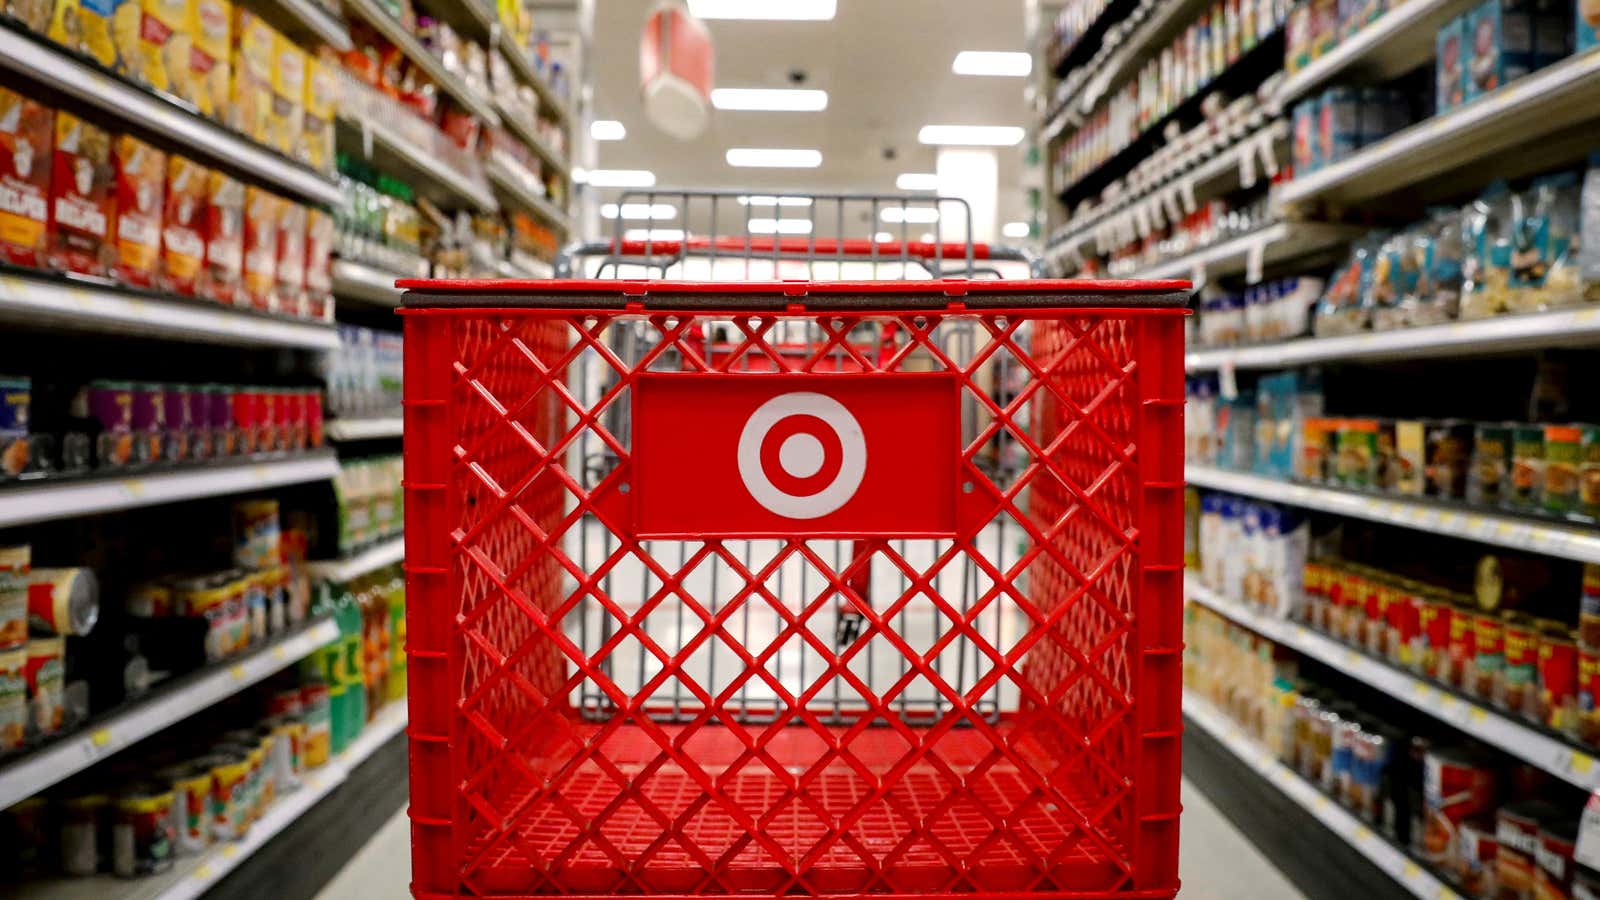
(788, 10)
(768, 200)
(780, 226)
(988, 62)
(639, 211)
(772, 158)
(972, 135)
(770, 99)
(654, 234)
(929, 237)
(622, 178)
(580, 175)
(917, 181)
(607, 130)
(916, 215)
(883, 237)
(1017, 229)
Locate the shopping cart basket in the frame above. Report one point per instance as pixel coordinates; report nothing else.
(793, 630)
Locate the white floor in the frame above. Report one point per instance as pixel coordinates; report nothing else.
(1216, 862)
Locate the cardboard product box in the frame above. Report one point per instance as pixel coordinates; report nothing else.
(250, 102)
(321, 103)
(1449, 66)
(1587, 22)
(291, 273)
(224, 235)
(26, 128)
(82, 202)
(164, 46)
(210, 24)
(320, 236)
(141, 192)
(183, 238)
(1499, 45)
(261, 213)
(286, 119)
(107, 31)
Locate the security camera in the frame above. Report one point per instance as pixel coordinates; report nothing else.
(889, 154)
(798, 76)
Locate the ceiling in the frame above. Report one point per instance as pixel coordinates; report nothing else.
(885, 65)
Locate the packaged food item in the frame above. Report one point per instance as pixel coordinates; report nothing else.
(111, 404)
(1484, 228)
(219, 419)
(1558, 838)
(249, 110)
(1516, 689)
(242, 405)
(207, 80)
(149, 421)
(1307, 149)
(191, 802)
(164, 47)
(1488, 656)
(313, 403)
(1527, 468)
(183, 242)
(225, 239)
(1491, 457)
(1450, 76)
(1397, 272)
(1563, 449)
(1434, 617)
(291, 267)
(1588, 724)
(321, 95)
(1458, 786)
(320, 236)
(141, 179)
(32, 14)
(286, 120)
(1558, 677)
(230, 799)
(255, 534)
(179, 440)
(318, 724)
(1447, 446)
(16, 399)
(1437, 248)
(262, 212)
(1501, 51)
(13, 698)
(1474, 865)
(63, 601)
(265, 417)
(1589, 471)
(46, 676)
(1588, 25)
(1358, 452)
(82, 198)
(107, 31)
(16, 564)
(25, 141)
(84, 816)
(1544, 268)
(1516, 830)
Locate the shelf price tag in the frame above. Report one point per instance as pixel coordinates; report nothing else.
(1247, 167)
(1186, 187)
(1581, 763)
(1254, 258)
(237, 671)
(1269, 159)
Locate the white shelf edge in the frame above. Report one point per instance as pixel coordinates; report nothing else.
(55, 68)
(1531, 535)
(363, 429)
(429, 166)
(1377, 849)
(396, 33)
(1482, 722)
(385, 725)
(525, 70)
(1279, 242)
(37, 771)
(357, 281)
(1569, 327)
(530, 137)
(386, 553)
(103, 308)
(329, 28)
(1351, 51)
(1127, 58)
(66, 498)
(1426, 139)
(513, 180)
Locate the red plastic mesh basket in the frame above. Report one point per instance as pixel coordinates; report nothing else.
(677, 627)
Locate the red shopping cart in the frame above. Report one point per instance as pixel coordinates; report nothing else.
(810, 588)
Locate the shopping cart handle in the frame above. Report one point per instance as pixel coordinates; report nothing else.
(818, 249)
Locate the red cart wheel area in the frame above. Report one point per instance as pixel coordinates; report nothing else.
(810, 589)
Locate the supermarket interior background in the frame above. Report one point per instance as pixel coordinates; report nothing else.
(1383, 216)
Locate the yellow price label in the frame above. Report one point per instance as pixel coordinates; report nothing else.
(12, 285)
(1320, 804)
(1587, 315)
(1582, 763)
(203, 872)
(1476, 715)
(1475, 521)
(262, 472)
(1361, 833)
(279, 653)
(100, 738)
(134, 486)
(81, 298)
(237, 672)
(1410, 870)
(229, 851)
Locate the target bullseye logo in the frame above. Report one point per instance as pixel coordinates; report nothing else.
(802, 455)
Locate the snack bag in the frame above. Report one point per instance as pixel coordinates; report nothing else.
(1450, 76)
(1501, 45)
(164, 46)
(291, 258)
(1483, 226)
(183, 242)
(1588, 252)
(261, 213)
(1588, 25)
(321, 95)
(1393, 289)
(1543, 267)
(320, 235)
(25, 139)
(1438, 295)
(224, 237)
(210, 24)
(250, 106)
(286, 118)
(141, 182)
(105, 30)
(81, 199)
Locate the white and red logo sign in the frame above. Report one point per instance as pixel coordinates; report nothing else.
(752, 455)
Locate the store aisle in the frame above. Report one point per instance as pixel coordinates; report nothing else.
(1217, 861)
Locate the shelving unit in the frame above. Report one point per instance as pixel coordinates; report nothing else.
(516, 185)
(1552, 538)
(526, 133)
(168, 704)
(393, 31)
(1572, 764)
(357, 281)
(314, 21)
(1391, 859)
(363, 429)
(385, 553)
(64, 498)
(429, 175)
(1400, 40)
(1250, 254)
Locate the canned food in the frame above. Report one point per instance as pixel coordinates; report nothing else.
(191, 802)
(1314, 584)
(1435, 618)
(13, 698)
(63, 601)
(46, 675)
(24, 826)
(1516, 830)
(1589, 608)
(1489, 654)
(313, 419)
(286, 702)
(1375, 629)
(16, 563)
(1365, 796)
(1405, 628)
(82, 821)
(1558, 838)
(1517, 686)
(230, 777)
(1458, 785)
(1527, 468)
(111, 405)
(149, 421)
(1562, 454)
(16, 396)
(1339, 776)
(242, 419)
(141, 832)
(1558, 678)
(265, 418)
(318, 719)
(1589, 695)
(1491, 454)
(1463, 646)
(219, 402)
(1589, 473)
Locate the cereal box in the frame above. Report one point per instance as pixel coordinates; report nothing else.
(322, 92)
(1588, 24)
(1501, 48)
(261, 213)
(183, 242)
(81, 199)
(141, 187)
(24, 178)
(251, 100)
(164, 45)
(319, 259)
(286, 120)
(291, 258)
(210, 23)
(1450, 75)
(105, 30)
(224, 236)
(33, 14)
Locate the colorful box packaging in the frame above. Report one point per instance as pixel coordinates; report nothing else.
(141, 184)
(210, 27)
(25, 141)
(81, 197)
(250, 103)
(183, 241)
(321, 94)
(1587, 21)
(261, 213)
(107, 31)
(224, 237)
(164, 46)
(291, 258)
(1449, 65)
(286, 118)
(1500, 45)
(320, 235)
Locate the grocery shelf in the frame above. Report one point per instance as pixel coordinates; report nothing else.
(523, 66)
(1250, 253)
(1400, 40)
(1479, 721)
(1384, 854)
(525, 132)
(357, 281)
(428, 174)
(95, 306)
(516, 185)
(1502, 334)
(373, 13)
(362, 429)
(35, 58)
(64, 498)
(314, 20)
(340, 571)
(191, 877)
(1531, 535)
(526, 266)
(166, 705)
(1082, 49)
(1544, 112)
(1168, 19)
